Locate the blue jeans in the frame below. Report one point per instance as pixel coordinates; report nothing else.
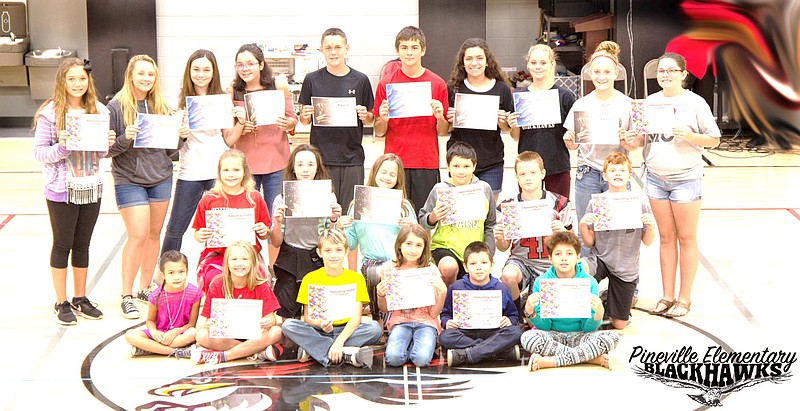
(187, 196)
(481, 345)
(410, 340)
(493, 177)
(317, 342)
(272, 184)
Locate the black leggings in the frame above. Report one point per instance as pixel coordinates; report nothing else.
(72, 226)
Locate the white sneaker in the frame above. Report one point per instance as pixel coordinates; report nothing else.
(357, 356)
(129, 309)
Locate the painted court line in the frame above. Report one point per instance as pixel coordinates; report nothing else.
(6, 220)
(727, 289)
(794, 213)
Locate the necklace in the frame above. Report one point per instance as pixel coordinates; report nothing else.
(180, 310)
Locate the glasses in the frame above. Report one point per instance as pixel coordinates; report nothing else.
(249, 65)
(671, 71)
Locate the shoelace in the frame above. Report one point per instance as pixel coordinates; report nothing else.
(128, 305)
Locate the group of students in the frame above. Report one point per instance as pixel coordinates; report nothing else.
(313, 250)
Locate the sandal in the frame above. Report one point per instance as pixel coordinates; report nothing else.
(533, 362)
(667, 305)
(679, 309)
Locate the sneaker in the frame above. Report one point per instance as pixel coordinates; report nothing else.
(129, 309)
(511, 354)
(63, 312)
(456, 357)
(138, 352)
(183, 352)
(271, 353)
(86, 308)
(208, 357)
(302, 355)
(360, 357)
(144, 294)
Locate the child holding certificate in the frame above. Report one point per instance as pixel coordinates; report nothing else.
(528, 258)
(615, 253)
(475, 220)
(233, 190)
(171, 313)
(297, 237)
(558, 342)
(332, 331)
(74, 185)
(545, 136)
(479, 317)
(142, 176)
(376, 239)
(239, 280)
(414, 327)
(477, 73)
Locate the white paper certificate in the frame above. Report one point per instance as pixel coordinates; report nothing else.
(230, 224)
(541, 108)
(87, 132)
(467, 203)
(603, 128)
(527, 219)
(307, 198)
(209, 112)
(377, 205)
(476, 111)
(660, 118)
(264, 106)
(617, 211)
(478, 309)
(331, 302)
(334, 111)
(565, 298)
(234, 318)
(409, 99)
(409, 289)
(157, 131)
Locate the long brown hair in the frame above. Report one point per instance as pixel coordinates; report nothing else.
(401, 174)
(59, 99)
(187, 86)
(402, 236)
(492, 70)
(265, 78)
(322, 172)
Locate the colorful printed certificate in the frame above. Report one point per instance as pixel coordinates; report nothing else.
(467, 203)
(565, 298)
(541, 108)
(476, 111)
(331, 302)
(409, 99)
(209, 112)
(334, 111)
(474, 309)
(230, 224)
(603, 128)
(617, 211)
(265, 106)
(527, 219)
(652, 118)
(307, 198)
(157, 131)
(377, 205)
(87, 132)
(409, 289)
(234, 318)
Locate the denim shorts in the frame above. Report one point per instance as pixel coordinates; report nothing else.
(686, 191)
(493, 177)
(129, 195)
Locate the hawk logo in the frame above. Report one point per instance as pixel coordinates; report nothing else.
(718, 373)
(351, 91)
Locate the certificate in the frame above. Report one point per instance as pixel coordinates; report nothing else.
(617, 211)
(541, 108)
(478, 309)
(565, 298)
(601, 128)
(334, 111)
(234, 318)
(409, 99)
(230, 224)
(476, 111)
(209, 112)
(331, 302)
(377, 205)
(307, 198)
(409, 289)
(527, 219)
(466, 203)
(157, 131)
(265, 106)
(87, 132)
(652, 118)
